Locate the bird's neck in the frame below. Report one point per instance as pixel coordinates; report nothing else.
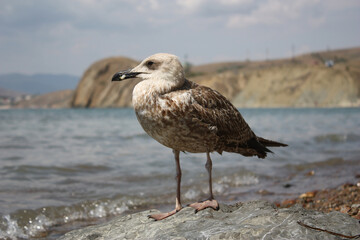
(147, 90)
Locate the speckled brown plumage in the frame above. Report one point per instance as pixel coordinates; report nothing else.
(185, 116)
(203, 121)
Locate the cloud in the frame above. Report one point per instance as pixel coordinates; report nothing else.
(271, 12)
(109, 15)
(338, 5)
(190, 5)
(146, 6)
(46, 32)
(316, 21)
(235, 2)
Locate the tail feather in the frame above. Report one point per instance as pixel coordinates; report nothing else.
(255, 146)
(260, 145)
(270, 143)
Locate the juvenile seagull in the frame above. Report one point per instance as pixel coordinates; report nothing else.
(185, 116)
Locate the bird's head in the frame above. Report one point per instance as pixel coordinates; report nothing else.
(158, 67)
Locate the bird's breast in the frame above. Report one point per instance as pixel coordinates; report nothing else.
(167, 120)
(159, 118)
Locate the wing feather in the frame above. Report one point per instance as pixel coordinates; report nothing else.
(209, 114)
(215, 110)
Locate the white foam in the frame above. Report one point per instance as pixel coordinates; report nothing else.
(191, 194)
(13, 231)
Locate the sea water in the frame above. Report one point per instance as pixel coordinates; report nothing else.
(69, 168)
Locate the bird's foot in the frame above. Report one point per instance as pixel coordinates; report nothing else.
(161, 216)
(205, 204)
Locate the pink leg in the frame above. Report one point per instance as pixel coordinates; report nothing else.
(178, 207)
(211, 202)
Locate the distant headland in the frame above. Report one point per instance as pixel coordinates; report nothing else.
(320, 79)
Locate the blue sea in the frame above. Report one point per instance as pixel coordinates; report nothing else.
(69, 168)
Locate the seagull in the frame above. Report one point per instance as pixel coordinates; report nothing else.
(188, 117)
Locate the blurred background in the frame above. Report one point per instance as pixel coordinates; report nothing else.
(72, 152)
(46, 46)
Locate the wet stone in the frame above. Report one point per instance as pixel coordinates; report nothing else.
(93, 236)
(251, 220)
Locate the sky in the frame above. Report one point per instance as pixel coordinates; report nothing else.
(65, 37)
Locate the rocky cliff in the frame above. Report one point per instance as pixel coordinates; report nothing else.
(295, 85)
(252, 220)
(301, 82)
(95, 88)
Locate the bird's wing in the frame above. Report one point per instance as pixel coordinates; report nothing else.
(211, 108)
(207, 113)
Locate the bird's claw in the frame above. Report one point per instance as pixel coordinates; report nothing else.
(205, 204)
(161, 216)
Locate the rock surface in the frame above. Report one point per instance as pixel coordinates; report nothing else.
(251, 220)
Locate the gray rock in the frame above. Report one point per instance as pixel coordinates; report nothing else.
(251, 220)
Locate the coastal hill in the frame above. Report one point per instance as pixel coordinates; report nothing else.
(57, 99)
(95, 88)
(304, 81)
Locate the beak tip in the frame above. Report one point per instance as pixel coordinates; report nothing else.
(124, 75)
(116, 77)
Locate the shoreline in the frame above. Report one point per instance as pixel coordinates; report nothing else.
(245, 220)
(344, 199)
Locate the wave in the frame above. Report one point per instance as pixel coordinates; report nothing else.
(134, 136)
(62, 171)
(13, 146)
(337, 138)
(39, 223)
(12, 158)
(236, 180)
(330, 162)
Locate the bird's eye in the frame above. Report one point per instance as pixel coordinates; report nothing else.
(150, 63)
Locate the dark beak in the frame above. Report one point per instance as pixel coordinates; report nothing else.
(124, 75)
